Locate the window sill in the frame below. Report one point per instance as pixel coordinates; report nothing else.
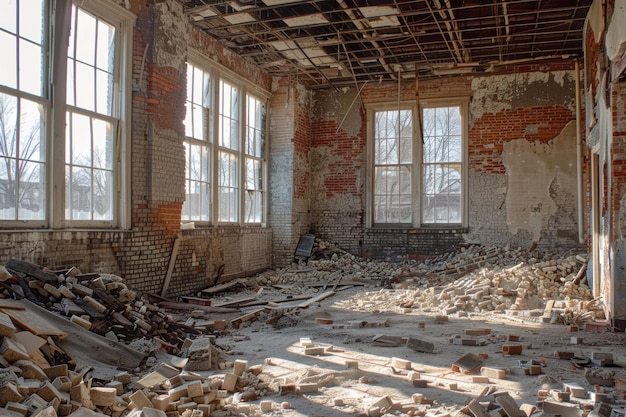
(419, 230)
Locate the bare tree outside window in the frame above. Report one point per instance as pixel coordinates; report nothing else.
(393, 159)
(91, 128)
(198, 141)
(22, 187)
(442, 166)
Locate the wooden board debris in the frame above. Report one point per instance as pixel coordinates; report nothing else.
(30, 321)
(222, 287)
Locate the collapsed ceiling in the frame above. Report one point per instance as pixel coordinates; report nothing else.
(327, 43)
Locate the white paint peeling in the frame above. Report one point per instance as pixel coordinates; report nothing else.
(498, 93)
(531, 169)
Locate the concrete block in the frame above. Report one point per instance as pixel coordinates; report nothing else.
(307, 388)
(512, 349)
(574, 340)
(45, 412)
(82, 394)
(240, 366)
(9, 393)
(103, 396)
(13, 351)
(49, 392)
(351, 364)
(62, 383)
(399, 363)
(30, 370)
(477, 332)
(119, 387)
(181, 408)
(55, 371)
(7, 328)
(266, 406)
(564, 355)
(177, 393)
(575, 389)
(383, 403)
(161, 402)
(480, 379)
(497, 373)
(199, 355)
(17, 408)
(123, 377)
(230, 382)
(420, 383)
(152, 412)
(314, 350)
(207, 409)
(420, 345)
(194, 389)
(140, 400)
(82, 322)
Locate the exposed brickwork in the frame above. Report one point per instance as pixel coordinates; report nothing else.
(489, 133)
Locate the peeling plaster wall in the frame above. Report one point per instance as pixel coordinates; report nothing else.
(534, 171)
(500, 93)
(522, 163)
(605, 99)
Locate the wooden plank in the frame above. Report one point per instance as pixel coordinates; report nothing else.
(170, 268)
(236, 303)
(31, 270)
(30, 321)
(183, 306)
(221, 287)
(316, 299)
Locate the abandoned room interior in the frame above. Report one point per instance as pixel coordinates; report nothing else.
(313, 208)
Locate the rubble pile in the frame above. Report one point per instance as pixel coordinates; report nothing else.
(53, 361)
(472, 279)
(102, 303)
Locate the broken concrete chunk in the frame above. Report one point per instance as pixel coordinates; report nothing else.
(199, 355)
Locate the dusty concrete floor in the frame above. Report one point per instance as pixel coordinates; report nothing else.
(345, 391)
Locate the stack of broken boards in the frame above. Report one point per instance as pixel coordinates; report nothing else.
(51, 366)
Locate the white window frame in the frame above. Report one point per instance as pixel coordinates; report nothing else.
(123, 20)
(53, 128)
(245, 88)
(417, 158)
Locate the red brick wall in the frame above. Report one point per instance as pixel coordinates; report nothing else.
(489, 133)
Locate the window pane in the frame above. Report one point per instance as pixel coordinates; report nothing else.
(228, 169)
(442, 167)
(85, 37)
(31, 192)
(31, 133)
(8, 75)
(89, 159)
(22, 180)
(8, 191)
(31, 63)
(104, 92)
(85, 86)
(7, 17)
(105, 47)
(393, 156)
(31, 19)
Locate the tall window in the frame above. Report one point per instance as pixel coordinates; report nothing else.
(229, 146)
(197, 206)
(225, 143)
(72, 136)
(91, 127)
(24, 109)
(255, 152)
(393, 161)
(442, 166)
(418, 181)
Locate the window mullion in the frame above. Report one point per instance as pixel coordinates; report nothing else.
(55, 152)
